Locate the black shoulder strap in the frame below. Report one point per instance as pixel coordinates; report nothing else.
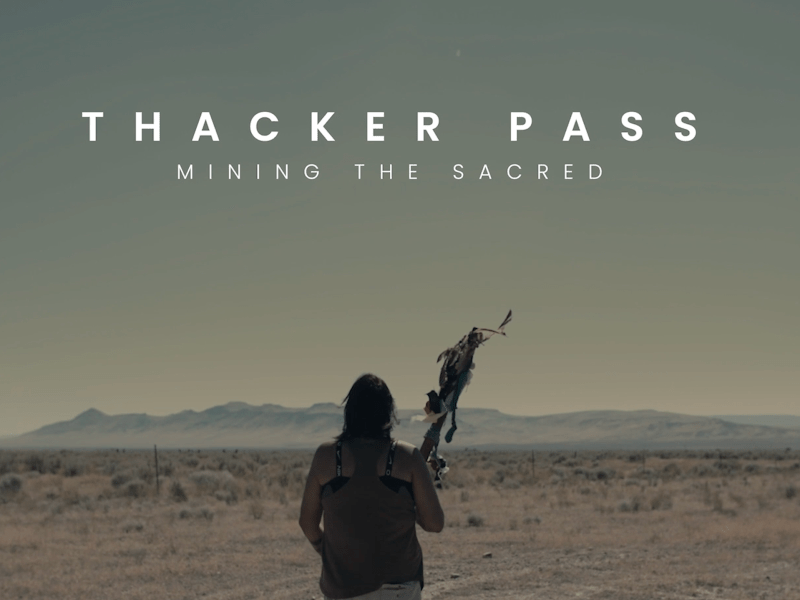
(339, 458)
(390, 458)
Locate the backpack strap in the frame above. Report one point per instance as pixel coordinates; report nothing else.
(339, 458)
(390, 459)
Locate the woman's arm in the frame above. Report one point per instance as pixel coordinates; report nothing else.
(311, 507)
(430, 515)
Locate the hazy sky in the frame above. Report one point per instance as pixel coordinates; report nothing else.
(670, 283)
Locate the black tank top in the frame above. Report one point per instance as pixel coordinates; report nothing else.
(401, 486)
(370, 535)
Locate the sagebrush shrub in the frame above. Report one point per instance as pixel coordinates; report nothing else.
(10, 485)
(661, 501)
(211, 481)
(177, 492)
(74, 469)
(256, 509)
(129, 526)
(120, 479)
(474, 521)
(135, 488)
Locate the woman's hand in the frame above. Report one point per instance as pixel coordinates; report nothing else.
(318, 544)
(430, 515)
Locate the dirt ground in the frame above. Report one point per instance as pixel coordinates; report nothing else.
(621, 526)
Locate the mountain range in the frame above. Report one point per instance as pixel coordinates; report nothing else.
(241, 425)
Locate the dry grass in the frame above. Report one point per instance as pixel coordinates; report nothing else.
(618, 525)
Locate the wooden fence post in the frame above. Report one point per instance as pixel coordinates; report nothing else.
(155, 451)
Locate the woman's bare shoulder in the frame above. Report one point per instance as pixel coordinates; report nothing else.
(327, 446)
(406, 448)
(324, 457)
(326, 449)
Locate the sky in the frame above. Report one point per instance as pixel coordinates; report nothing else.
(669, 283)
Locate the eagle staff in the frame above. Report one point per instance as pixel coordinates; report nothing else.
(454, 376)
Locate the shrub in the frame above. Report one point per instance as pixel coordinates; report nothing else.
(498, 477)
(120, 479)
(211, 481)
(235, 468)
(201, 513)
(253, 490)
(10, 485)
(661, 501)
(727, 466)
(715, 500)
(474, 521)
(35, 462)
(227, 496)
(74, 469)
(703, 471)
(643, 473)
(41, 463)
(177, 492)
(632, 505)
(738, 500)
(600, 474)
(146, 474)
(528, 520)
(129, 526)
(135, 488)
(670, 471)
(256, 509)
(6, 462)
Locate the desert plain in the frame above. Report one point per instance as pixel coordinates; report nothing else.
(222, 524)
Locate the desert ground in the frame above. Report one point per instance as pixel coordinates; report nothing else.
(544, 525)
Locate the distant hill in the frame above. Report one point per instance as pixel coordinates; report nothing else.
(783, 421)
(240, 425)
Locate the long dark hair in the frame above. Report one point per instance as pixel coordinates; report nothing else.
(369, 410)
